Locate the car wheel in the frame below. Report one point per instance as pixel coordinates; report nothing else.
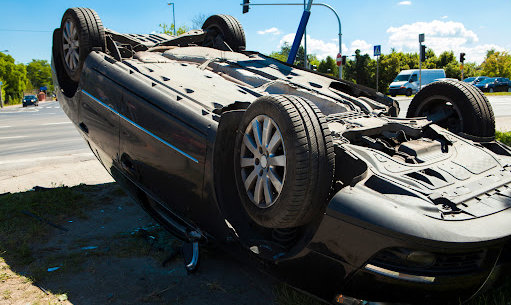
(82, 30)
(393, 95)
(224, 32)
(491, 90)
(408, 92)
(456, 106)
(284, 161)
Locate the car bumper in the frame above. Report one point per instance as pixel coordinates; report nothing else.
(397, 91)
(354, 252)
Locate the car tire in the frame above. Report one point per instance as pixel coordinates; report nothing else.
(224, 32)
(393, 95)
(83, 30)
(472, 115)
(292, 190)
(408, 92)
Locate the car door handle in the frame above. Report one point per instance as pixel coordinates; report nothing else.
(127, 165)
(83, 127)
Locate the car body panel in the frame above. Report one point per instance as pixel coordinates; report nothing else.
(163, 124)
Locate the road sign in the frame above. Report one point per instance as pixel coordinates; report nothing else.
(339, 59)
(421, 38)
(377, 50)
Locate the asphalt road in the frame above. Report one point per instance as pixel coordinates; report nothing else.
(40, 146)
(38, 133)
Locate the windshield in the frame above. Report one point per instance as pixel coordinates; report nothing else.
(487, 81)
(470, 79)
(29, 97)
(402, 78)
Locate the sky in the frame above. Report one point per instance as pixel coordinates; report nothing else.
(468, 26)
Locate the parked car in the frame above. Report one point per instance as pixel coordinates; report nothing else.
(314, 177)
(29, 100)
(474, 80)
(407, 81)
(494, 84)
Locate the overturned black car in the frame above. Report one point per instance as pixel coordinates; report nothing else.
(315, 177)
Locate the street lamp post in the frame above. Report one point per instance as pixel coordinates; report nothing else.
(320, 4)
(173, 16)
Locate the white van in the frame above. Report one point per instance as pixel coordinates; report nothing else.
(407, 81)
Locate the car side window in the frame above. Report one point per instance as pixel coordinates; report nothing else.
(413, 78)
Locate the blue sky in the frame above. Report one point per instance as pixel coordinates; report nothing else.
(462, 26)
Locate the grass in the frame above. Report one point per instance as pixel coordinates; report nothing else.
(499, 295)
(504, 137)
(497, 93)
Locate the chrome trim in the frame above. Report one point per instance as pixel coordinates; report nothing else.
(399, 275)
(141, 128)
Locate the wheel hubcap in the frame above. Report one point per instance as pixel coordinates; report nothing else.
(263, 161)
(71, 45)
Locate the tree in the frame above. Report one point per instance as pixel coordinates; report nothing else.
(169, 29)
(15, 78)
(198, 21)
(497, 64)
(358, 70)
(285, 49)
(39, 74)
(328, 66)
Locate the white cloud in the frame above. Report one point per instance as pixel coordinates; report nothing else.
(445, 17)
(320, 48)
(272, 31)
(363, 46)
(440, 36)
(405, 3)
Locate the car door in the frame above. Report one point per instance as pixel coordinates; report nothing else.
(163, 150)
(98, 115)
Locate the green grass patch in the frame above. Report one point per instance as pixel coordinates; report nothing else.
(18, 230)
(497, 93)
(504, 137)
(498, 295)
(286, 295)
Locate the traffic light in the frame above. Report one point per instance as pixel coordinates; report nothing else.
(423, 53)
(343, 61)
(462, 57)
(246, 6)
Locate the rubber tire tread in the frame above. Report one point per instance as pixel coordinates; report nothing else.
(231, 28)
(480, 125)
(307, 192)
(91, 35)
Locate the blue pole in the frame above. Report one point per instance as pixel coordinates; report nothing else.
(299, 34)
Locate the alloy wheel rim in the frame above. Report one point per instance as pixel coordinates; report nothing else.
(263, 161)
(71, 45)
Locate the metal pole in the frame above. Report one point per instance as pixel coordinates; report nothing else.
(1, 100)
(377, 70)
(305, 40)
(173, 16)
(320, 4)
(421, 40)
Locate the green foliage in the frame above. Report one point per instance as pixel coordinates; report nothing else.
(283, 54)
(504, 137)
(497, 64)
(14, 77)
(169, 29)
(329, 66)
(359, 69)
(39, 74)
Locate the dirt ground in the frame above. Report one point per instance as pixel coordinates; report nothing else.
(112, 254)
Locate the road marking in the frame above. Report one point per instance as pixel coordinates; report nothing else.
(59, 123)
(5, 126)
(13, 137)
(59, 157)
